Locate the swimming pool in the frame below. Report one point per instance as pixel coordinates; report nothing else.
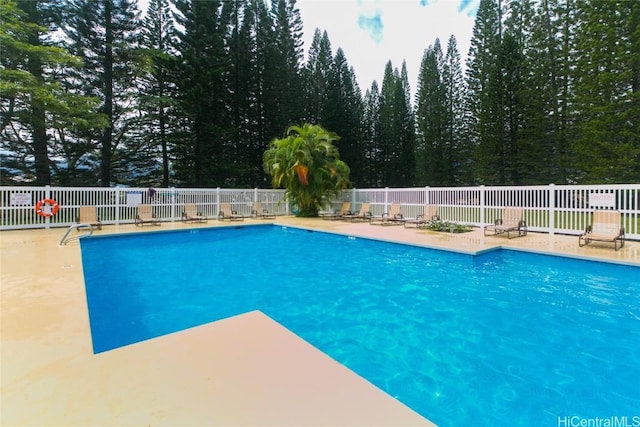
(504, 338)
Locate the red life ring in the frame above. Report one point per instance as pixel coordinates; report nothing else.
(47, 208)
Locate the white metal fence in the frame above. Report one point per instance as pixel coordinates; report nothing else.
(118, 205)
(563, 209)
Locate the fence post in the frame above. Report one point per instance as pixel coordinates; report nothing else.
(427, 196)
(552, 209)
(386, 200)
(47, 195)
(217, 202)
(172, 197)
(482, 206)
(116, 192)
(353, 198)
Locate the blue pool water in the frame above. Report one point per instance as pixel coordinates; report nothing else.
(503, 338)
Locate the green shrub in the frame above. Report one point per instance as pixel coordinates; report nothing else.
(447, 226)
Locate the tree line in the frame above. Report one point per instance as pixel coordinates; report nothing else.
(190, 93)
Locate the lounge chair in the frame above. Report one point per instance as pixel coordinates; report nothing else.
(257, 211)
(393, 217)
(430, 213)
(364, 214)
(338, 214)
(89, 215)
(146, 216)
(191, 214)
(605, 228)
(226, 213)
(511, 222)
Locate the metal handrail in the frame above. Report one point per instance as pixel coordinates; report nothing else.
(64, 239)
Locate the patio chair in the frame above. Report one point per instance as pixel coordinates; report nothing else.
(338, 214)
(146, 216)
(605, 228)
(430, 213)
(191, 214)
(364, 214)
(257, 211)
(226, 213)
(511, 222)
(89, 215)
(393, 217)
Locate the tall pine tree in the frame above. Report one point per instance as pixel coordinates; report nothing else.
(104, 34)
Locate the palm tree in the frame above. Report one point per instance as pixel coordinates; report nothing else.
(308, 165)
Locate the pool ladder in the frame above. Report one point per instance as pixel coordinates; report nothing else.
(66, 239)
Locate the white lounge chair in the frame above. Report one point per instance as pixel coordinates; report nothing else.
(225, 212)
(605, 228)
(393, 217)
(338, 214)
(364, 214)
(430, 213)
(259, 212)
(191, 214)
(512, 221)
(89, 215)
(146, 216)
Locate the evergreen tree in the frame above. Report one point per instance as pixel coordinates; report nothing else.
(430, 118)
(544, 87)
(397, 136)
(607, 89)
(406, 120)
(157, 90)
(389, 127)
(458, 154)
(284, 86)
(343, 113)
(373, 161)
(35, 106)
(249, 46)
(203, 93)
(486, 93)
(104, 34)
(316, 75)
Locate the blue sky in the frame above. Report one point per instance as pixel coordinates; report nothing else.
(372, 32)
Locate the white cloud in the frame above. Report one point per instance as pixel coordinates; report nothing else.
(372, 32)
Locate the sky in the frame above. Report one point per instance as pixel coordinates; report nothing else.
(373, 32)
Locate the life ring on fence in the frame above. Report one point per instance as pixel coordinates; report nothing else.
(47, 208)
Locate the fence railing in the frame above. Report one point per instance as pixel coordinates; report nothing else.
(562, 209)
(118, 205)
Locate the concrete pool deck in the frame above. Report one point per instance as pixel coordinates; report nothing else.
(242, 371)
